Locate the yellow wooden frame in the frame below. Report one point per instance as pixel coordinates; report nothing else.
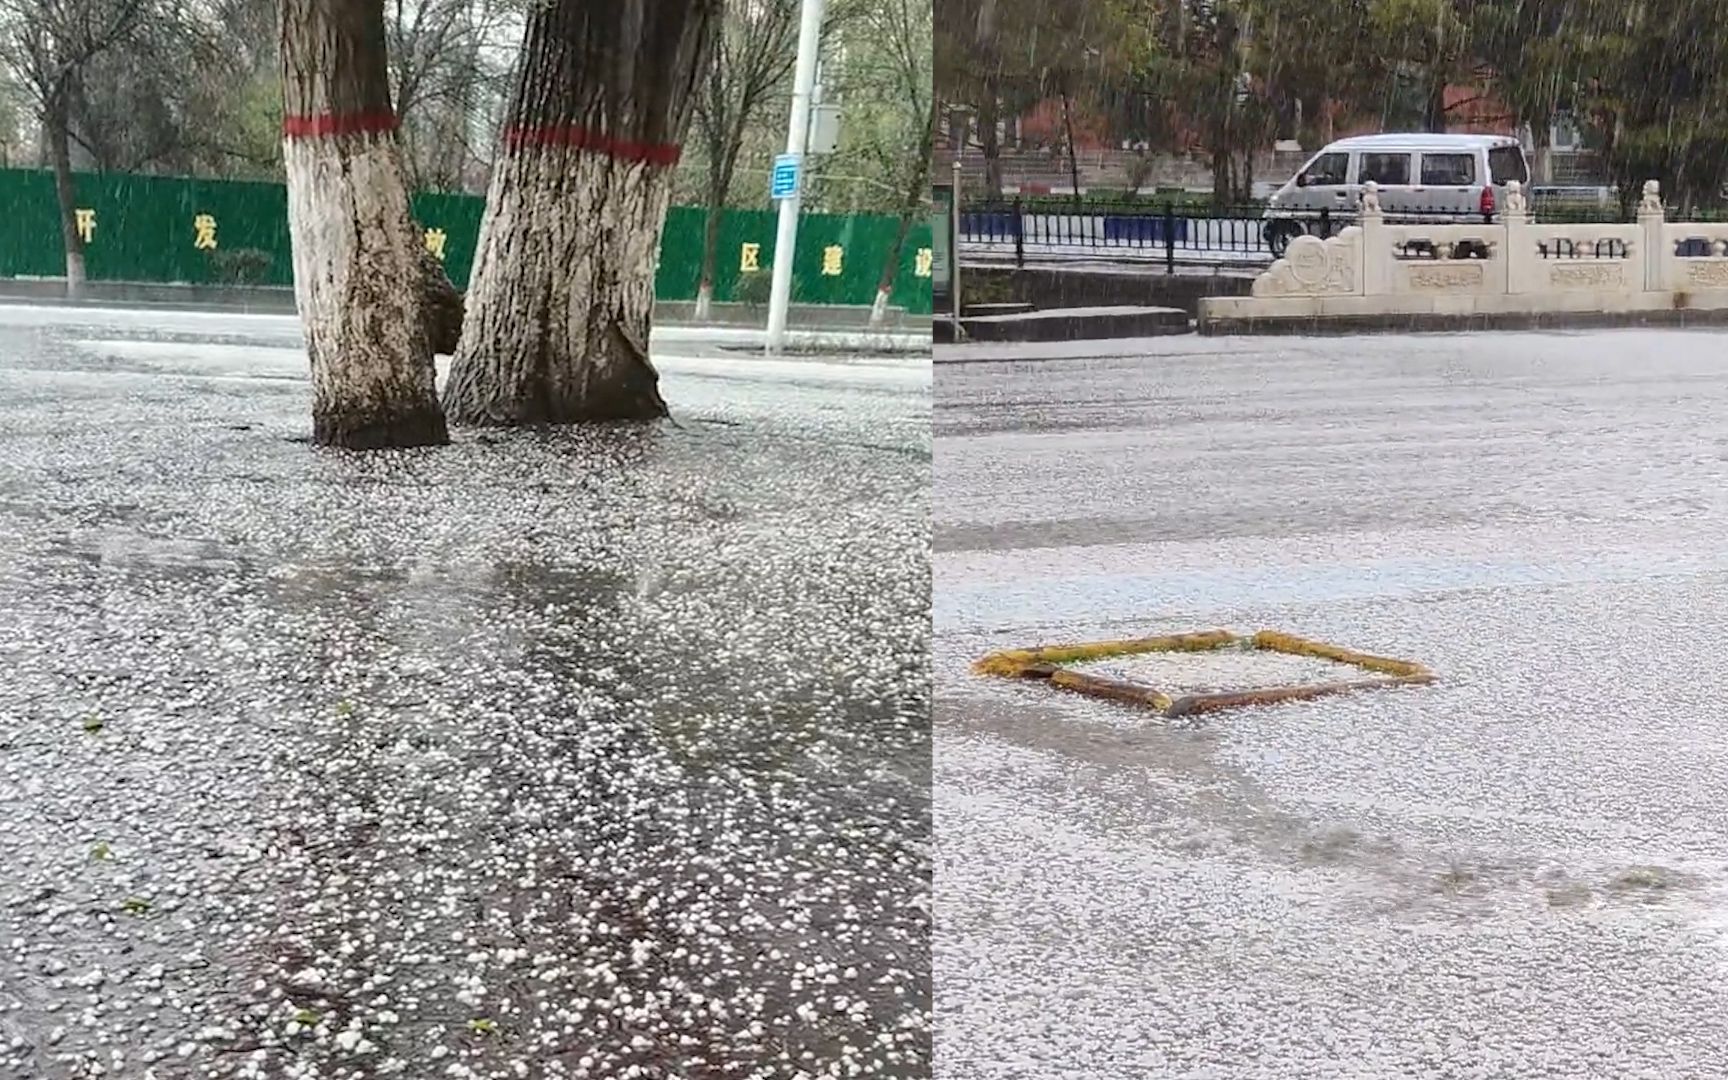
(1045, 662)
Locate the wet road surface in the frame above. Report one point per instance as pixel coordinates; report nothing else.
(1518, 872)
(585, 753)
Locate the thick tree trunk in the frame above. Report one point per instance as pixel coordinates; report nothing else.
(359, 277)
(59, 141)
(563, 285)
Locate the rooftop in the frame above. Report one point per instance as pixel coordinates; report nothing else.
(1420, 140)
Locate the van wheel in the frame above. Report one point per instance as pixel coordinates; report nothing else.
(1279, 234)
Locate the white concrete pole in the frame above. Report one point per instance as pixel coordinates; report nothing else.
(797, 139)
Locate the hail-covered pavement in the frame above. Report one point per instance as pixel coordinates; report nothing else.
(584, 753)
(1515, 873)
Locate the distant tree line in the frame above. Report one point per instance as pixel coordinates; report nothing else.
(1647, 79)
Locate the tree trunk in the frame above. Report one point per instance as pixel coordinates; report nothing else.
(989, 110)
(721, 161)
(59, 140)
(563, 286)
(917, 187)
(1435, 110)
(442, 305)
(710, 257)
(1542, 150)
(359, 278)
(1073, 155)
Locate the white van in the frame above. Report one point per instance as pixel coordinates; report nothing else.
(1422, 177)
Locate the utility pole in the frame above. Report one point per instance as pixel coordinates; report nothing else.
(797, 141)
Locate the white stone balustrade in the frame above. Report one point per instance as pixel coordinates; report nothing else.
(1510, 266)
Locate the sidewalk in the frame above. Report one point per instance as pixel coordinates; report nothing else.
(852, 319)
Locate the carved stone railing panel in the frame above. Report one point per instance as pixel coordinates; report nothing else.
(1315, 267)
(1511, 256)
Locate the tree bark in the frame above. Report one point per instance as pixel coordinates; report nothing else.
(442, 305)
(563, 286)
(59, 140)
(359, 271)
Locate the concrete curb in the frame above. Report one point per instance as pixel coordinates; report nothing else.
(279, 300)
(1077, 324)
(1436, 322)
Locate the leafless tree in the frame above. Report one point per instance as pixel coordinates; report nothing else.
(893, 60)
(48, 46)
(753, 56)
(450, 66)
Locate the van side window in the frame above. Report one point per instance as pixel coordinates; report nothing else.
(1328, 169)
(1507, 163)
(1384, 169)
(1449, 170)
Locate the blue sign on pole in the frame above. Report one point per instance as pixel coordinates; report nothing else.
(784, 180)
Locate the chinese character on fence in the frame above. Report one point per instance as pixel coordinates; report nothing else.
(831, 256)
(749, 258)
(924, 263)
(86, 224)
(435, 239)
(204, 232)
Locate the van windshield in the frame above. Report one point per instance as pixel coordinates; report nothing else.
(1507, 163)
(1327, 169)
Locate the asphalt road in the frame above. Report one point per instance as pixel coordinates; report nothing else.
(581, 753)
(1518, 872)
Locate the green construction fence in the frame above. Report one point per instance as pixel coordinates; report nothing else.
(186, 229)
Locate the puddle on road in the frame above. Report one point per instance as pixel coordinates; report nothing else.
(614, 739)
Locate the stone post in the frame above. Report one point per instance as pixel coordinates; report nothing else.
(1653, 228)
(1516, 246)
(1376, 253)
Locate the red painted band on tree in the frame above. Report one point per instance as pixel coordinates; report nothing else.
(328, 124)
(581, 138)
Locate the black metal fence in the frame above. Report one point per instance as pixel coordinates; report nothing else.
(1172, 233)
(1195, 233)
